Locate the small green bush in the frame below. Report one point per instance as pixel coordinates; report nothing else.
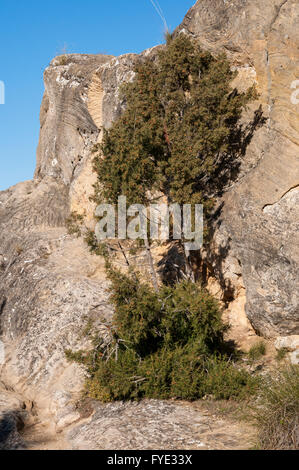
(163, 345)
(178, 373)
(257, 351)
(173, 317)
(278, 414)
(281, 354)
(226, 380)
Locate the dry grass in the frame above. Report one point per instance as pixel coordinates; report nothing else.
(277, 414)
(257, 351)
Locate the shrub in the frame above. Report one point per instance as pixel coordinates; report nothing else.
(138, 313)
(175, 316)
(281, 354)
(227, 380)
(163, 345)
(173, 373)
(278, 414)
(186, 374)
(257, 351)
(115, 379)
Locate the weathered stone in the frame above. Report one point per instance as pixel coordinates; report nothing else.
(67, 128)
(157, 425)
(289, 344)
(258, 226)
(294, 357)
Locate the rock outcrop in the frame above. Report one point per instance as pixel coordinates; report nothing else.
(154, 424)
(50, 285)
(259, 221)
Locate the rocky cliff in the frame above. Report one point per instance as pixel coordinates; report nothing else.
(51, 285)
(259, 221)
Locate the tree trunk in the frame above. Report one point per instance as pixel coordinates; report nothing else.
(151, 265)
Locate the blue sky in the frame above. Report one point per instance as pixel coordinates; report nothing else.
(33, 32)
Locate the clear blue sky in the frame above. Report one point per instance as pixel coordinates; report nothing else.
(33, 32)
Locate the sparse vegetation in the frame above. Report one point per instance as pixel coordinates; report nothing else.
(277, 415)
(257, 351)
(74, 224)
(281, 354)
(62, 59)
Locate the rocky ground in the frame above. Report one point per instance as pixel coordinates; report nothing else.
(151, 425)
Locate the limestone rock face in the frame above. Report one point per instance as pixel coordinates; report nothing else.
(259, 220)
(50, 285)
(67, 128)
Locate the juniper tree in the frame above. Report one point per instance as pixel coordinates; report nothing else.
(180, 133)
(179, 136)
(165, 344)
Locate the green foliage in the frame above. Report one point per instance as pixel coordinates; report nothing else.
(163, 345)
(137, 313)
(179, 133)
(115, 380)
(176, 316)
(180, 136)
(281, 354)
(278, 414)
(226, 380)
(257, 351)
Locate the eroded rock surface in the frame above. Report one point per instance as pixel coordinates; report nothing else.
(50, 285)
(259, 220)
(160, 425)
